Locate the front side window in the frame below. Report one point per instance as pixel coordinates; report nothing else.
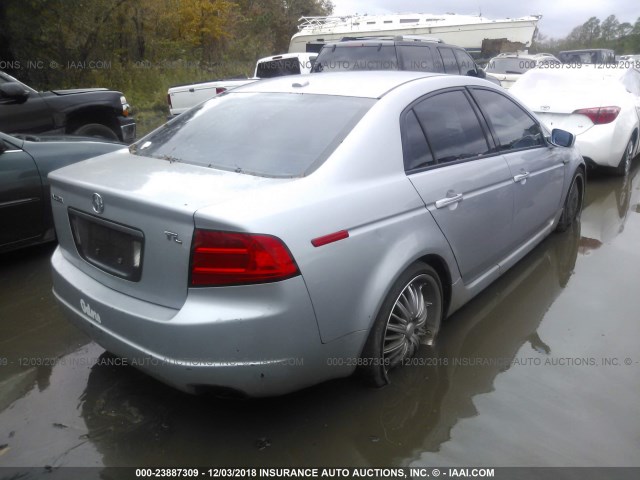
(452, 127)
(466, 63)
(514, 128)
(265, 134)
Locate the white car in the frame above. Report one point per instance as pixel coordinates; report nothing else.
(507, 68)
(599, 104)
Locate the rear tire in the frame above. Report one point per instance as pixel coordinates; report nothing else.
(410, 315)
(573, 203)
(96, 130)
(623, 169)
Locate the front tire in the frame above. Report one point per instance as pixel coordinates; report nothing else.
(410, 315)
(96, 130)
(573, 203)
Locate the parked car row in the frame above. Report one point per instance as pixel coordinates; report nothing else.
(295, 229)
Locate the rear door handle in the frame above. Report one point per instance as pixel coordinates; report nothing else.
(450, 199)
(522, 177)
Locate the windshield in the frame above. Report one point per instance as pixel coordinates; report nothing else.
(266, 134)
(510, 65)
(337, 58)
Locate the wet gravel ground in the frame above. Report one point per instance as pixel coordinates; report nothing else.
(541, 369)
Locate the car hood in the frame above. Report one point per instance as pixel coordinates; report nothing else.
(74, 91)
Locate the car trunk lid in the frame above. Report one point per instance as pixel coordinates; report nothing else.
(128, 221)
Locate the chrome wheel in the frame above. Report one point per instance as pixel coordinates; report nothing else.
(414, 319)
(410, 315)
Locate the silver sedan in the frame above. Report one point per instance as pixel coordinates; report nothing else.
(297, 229)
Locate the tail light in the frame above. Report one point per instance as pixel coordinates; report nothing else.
(219, 90)
(169, 100)
(600, 115)
(229, 258)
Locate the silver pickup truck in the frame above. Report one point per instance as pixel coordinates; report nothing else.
(183, 97)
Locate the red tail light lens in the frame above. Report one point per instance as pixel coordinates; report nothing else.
(600, 115)
(169, 100)
(229, 258)
(219, 90)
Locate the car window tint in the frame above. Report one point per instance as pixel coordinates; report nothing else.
(356, 57)
(278, 68)
(450, 64)
(513, 126)
(416, 58)
(266, 134)
(465, 62)
(415, 148)
(452, 128)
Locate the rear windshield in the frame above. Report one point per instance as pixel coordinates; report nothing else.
(278, 68)
(356, 57)
(265, 134)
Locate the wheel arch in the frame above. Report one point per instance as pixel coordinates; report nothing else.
(104, 115)
(440, 266)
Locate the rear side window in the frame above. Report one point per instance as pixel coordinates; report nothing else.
(514, 128)
(416, 58)
(416, 151)
(452, 127)
(337, 58)
(265, 134)
(450, 64)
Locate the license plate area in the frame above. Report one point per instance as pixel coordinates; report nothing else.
(109, 246)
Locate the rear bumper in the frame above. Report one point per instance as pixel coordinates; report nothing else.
(259, 340)
(598, 146)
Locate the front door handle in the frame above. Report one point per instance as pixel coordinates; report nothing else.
(522, 177)
(450, 199)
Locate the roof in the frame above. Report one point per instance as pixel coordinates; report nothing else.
(370, 84)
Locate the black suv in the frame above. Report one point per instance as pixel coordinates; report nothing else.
(92, 112)
(413, 53)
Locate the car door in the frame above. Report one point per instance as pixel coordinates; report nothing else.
(21, 206)
(28, 115)
(466, 187)
(537, 168)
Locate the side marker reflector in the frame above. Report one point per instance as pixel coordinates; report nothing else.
(332, 237)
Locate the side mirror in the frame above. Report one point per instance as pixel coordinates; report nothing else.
(562, 138)
(14, 91)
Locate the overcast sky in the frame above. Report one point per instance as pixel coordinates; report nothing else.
(559, 17)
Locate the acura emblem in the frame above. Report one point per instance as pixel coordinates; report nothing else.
(97, 203)
(545, 108)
